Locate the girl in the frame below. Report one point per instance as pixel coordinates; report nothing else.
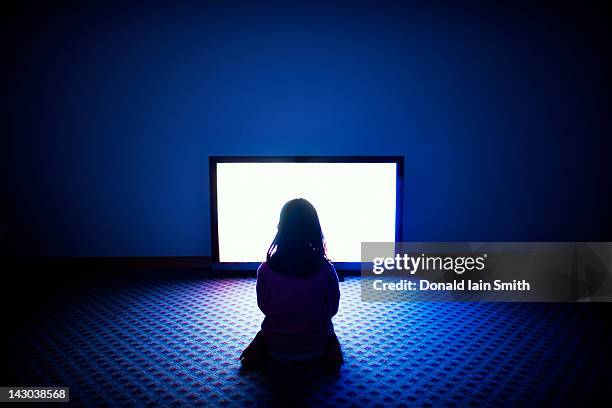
(297, 291)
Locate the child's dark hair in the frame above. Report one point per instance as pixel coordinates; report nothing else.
(298, 248)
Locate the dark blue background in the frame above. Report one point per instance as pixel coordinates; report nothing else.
(112, 112)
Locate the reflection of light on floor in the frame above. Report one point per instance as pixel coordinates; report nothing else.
(178, 342)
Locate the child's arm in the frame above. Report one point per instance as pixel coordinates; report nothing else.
(333, 292)
(261, 292)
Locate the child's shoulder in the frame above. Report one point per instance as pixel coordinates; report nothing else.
(263, 268)
(329, 269)
(329, 265)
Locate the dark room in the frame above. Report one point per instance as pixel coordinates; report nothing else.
(306, 204)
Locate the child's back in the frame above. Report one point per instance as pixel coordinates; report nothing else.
(298, 310)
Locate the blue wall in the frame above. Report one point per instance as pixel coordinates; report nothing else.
(114, 112)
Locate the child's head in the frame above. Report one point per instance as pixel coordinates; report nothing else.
(298, 247)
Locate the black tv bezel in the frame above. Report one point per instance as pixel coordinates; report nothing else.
(212, 169)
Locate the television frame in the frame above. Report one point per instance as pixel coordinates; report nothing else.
(212, 174)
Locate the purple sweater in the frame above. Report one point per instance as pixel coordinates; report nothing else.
(298, 310)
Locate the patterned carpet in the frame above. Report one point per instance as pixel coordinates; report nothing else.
(171, 343)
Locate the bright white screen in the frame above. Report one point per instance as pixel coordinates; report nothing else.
(355, 203)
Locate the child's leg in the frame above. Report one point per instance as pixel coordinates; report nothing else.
(255, 352)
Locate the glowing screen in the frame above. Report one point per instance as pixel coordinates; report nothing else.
(355, 202)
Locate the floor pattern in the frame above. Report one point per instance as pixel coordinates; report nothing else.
(175, 343)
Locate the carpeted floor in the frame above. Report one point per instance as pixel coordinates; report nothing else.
(175, 343)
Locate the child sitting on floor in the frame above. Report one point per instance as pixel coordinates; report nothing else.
(297, 291)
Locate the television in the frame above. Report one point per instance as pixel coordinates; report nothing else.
(358, 199)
